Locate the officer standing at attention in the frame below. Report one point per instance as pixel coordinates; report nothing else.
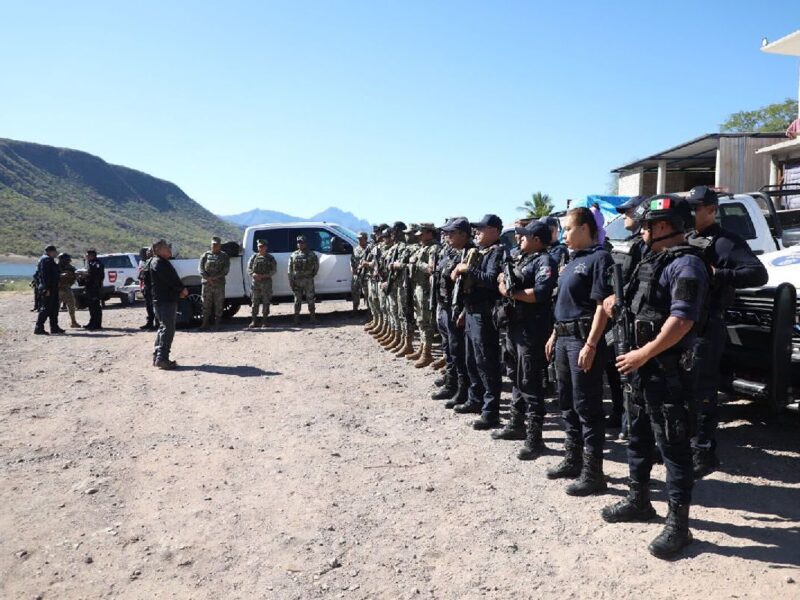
(261, 267)
(421, 269)
(214, 267)
(65, 281)
(93, 281)
(478, 318)
(734, 266)
(303, 267)
(167, 289)
(530, 324)
(578, 343)
(48, 275)
(358, 286)
(666, 296)
(145, 261)
(557, 249)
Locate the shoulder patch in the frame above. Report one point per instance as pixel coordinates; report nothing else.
(686, 289)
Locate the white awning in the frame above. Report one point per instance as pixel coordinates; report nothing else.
(789, 45)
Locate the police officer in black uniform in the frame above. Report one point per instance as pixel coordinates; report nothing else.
(479, 320)
(528, 293)
(666, 297)
(557, 249)
(48, 275)
(734, 266)
(93, 281)
(578, 344)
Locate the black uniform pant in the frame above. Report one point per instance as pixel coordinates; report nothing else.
(95, 310)
(48, 310)
(580, 394)
(527, 339)
(708, 356)
(661, 414)
(148, 305)
(453, 343)
(483, 361)
(167, 315)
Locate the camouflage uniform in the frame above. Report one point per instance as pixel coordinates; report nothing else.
(214, 265)
(261, 288)
(422, 261)
(65, 281)
(358, 285)
(303, 267)
(374, 295)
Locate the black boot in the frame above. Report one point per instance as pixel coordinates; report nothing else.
(636, 508)
(704, 462)
(534, 446)
(461, 394)
(514, 429)
(147, 326)
(486, 421)
(591, 480)
(676, 534)
(441, 380)
(448, 387)
(570, 466)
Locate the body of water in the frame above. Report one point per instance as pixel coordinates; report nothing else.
(17, 269)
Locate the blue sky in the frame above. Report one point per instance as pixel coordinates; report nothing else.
(410, 110)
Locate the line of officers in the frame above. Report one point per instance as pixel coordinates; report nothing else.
(552, 302)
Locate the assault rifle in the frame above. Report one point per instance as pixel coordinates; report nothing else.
(432, 281)
(623, 335)
(512, 282)
(470, 258)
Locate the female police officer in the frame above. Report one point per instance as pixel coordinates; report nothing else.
(579, 345)
(666, 296)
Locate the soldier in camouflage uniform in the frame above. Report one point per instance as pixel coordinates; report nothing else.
(261, 267)
(385, 260)
(404, 294)
(358, 286)
(371, 266)
(392, 285)
(214, 267)
(421, 269)
(65, 281)
(303, 267)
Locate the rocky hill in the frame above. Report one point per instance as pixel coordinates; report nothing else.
(75, 200)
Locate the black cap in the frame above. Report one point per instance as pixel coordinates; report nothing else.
(457, 224)
(668, 207)
(702, 194)
(535, 229)
(630, 203)
(489, 221)
(91, 251)
(50, 248)
(550, 221)
(399, 226)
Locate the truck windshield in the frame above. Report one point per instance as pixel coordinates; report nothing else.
(350, 236)
(116, 262)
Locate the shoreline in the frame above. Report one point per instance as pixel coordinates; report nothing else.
(18, 259)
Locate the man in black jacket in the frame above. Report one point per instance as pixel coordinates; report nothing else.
(48, 275)
(93, 281)
(167, 288)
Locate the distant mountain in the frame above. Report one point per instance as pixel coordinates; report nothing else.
(75, 200)
(331, 215)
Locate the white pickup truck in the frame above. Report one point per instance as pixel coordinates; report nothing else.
(121, 280)
(332, 243)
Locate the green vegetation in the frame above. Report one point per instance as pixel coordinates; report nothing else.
(768, 119)
(15, 284)
(76, 200)
(540, 205)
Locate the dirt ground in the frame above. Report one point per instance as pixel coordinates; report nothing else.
(307, 463)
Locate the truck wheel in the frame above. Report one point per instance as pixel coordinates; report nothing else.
(230, 309)
(197, 307)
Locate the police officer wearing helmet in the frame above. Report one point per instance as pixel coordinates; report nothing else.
(666, 296)
(528, 284)
(734, 266)
(478, 318)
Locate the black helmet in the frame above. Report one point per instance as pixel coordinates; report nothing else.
(65, 257)
(667, 207)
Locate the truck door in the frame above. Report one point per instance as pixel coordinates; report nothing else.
(279, 245)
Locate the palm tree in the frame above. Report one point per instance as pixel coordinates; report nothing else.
(540, 205)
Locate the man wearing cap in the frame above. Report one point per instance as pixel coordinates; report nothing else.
(666, 296)
(734, 267)
(261, 267)
(422, 263)
(93, 281)
(303, 267)
(478, 316)
(393, 274)
(455, 386)
(370, 266)
(358, 287)
(47, 276)
(380, 273)
(214, 267)
(67, 278)
(530, 323)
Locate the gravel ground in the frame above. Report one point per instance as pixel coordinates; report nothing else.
(303, 462)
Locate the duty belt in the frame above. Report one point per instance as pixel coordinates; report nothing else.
(578, 328)
(479, 307)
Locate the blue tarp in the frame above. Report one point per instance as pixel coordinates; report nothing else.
(608, 204)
